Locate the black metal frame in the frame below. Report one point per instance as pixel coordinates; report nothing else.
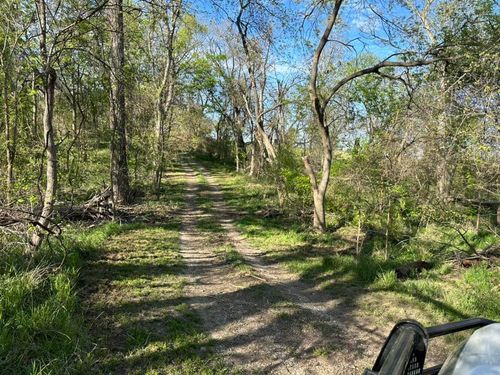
(405, 348)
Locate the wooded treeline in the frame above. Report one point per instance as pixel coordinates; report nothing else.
(380, 116)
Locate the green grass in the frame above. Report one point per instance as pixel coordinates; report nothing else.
(148, 327)
(201, 179)
(240, 191)
(171, 194)
(478, 292)
(209, 225)
(216, 233)
(324, 350)
(41, 327)
(204, 202)
(203, 198)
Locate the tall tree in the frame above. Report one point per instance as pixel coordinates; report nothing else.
(320, 106)
(48, 78)
(257, 63)
(119, 165)
(164, 27)
(15, 23)
(55, 30)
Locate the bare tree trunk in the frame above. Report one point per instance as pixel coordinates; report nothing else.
(238, 136)
(160, 134)
(258, 95)
(160, 142)
(281, 114)
(165, 92)
(358, 235)
(34, 108)
(163, 108)
(119, 165)
(319, 189)
(253, 159)
(478, 216)
(444, 178)
(387, 231)
(237, 155)
(51, 152)
(13, 137)
(264, 138)
(8, 136)
(319, 104)
(49, 78)
(320, 101)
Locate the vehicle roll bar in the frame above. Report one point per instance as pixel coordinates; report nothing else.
(405, 348)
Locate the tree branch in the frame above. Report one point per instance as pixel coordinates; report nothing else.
(376, 69)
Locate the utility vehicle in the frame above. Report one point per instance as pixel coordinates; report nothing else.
(406, 346)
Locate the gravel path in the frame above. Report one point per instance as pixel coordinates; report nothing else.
(267, 321)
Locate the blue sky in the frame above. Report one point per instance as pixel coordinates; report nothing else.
(292, 52)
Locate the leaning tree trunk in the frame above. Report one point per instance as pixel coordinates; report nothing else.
(119, 166)
(318, 107)
(258, 95)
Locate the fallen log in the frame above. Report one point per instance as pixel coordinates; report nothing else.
(11, 217)
(409, 269)
(269, 213)
(98, 207)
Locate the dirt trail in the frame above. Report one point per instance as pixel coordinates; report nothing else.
(268, 322)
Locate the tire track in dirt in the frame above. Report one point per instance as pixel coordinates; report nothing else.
(269, 322)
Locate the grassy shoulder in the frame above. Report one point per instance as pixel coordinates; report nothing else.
(143, 325)
(41, 326)
(217, 241)
(443, 293)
